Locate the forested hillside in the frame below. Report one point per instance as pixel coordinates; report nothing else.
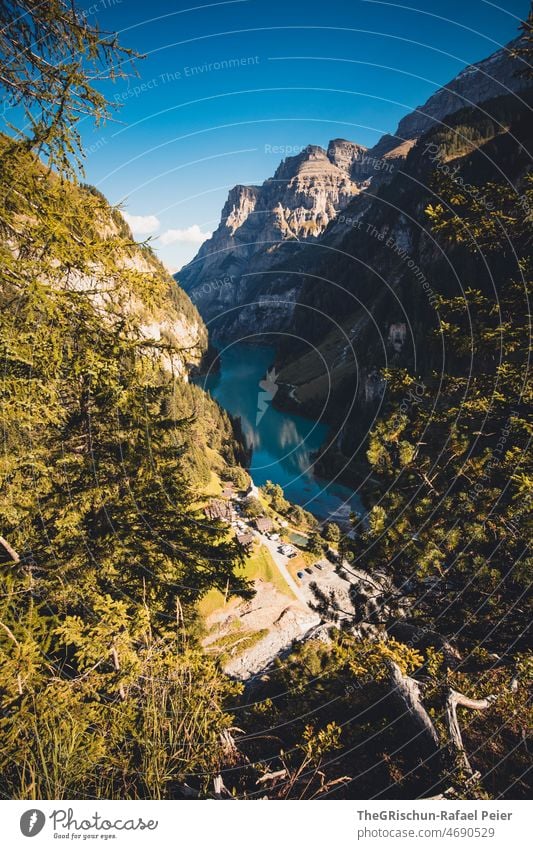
(387, 267)
(441, 568)
(104, 548)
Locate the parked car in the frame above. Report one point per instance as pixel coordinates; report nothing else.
(300, 575)
(308, 570)
(291, 555)
(318, 566)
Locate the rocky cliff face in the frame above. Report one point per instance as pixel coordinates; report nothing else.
(258, 222)
(248, 277)
(176, 321)
(349, 157)
(173, 320)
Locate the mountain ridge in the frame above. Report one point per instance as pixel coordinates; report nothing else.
(262, 228)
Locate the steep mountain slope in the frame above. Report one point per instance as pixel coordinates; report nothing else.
(372, 299)
(495, 76)
(66, 239)
(125, 275)
(248, 277)
(175, 320)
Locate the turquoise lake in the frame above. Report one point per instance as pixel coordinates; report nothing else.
(283, 444)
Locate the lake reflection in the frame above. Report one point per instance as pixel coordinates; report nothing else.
(282, 443)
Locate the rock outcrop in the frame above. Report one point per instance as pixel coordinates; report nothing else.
(296, 205)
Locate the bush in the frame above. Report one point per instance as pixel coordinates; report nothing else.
(252, 508)
(238, 476)
(332, 532)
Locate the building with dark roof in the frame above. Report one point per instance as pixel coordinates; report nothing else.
(245, 540)
(217, 509)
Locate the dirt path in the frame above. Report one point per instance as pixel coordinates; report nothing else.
(293, 624)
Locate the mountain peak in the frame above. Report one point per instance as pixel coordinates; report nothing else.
(294, 165)
(297, 204)
(345, 154)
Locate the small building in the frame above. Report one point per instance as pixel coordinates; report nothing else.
(246, 541)
(217, 509)
(228, 491)
(252, 491)
(263, 524)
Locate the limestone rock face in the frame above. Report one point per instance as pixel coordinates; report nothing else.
(348, 156)
(296, 205)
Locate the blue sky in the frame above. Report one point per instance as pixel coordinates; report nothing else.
(282, 75)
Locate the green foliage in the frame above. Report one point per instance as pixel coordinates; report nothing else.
(252, 508)
(70, 734)
(275, 496)
(301, 518)
(315, 544)
(458, 457)
(259, 566)
(332, 532)
(338, 731)
(238, 476)
(105, 553)
(317, 744)
(452, 471)
(50, 56)
(105, 450)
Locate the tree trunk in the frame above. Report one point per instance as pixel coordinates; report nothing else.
(458, 699)
(9, 550)
(408, 690)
